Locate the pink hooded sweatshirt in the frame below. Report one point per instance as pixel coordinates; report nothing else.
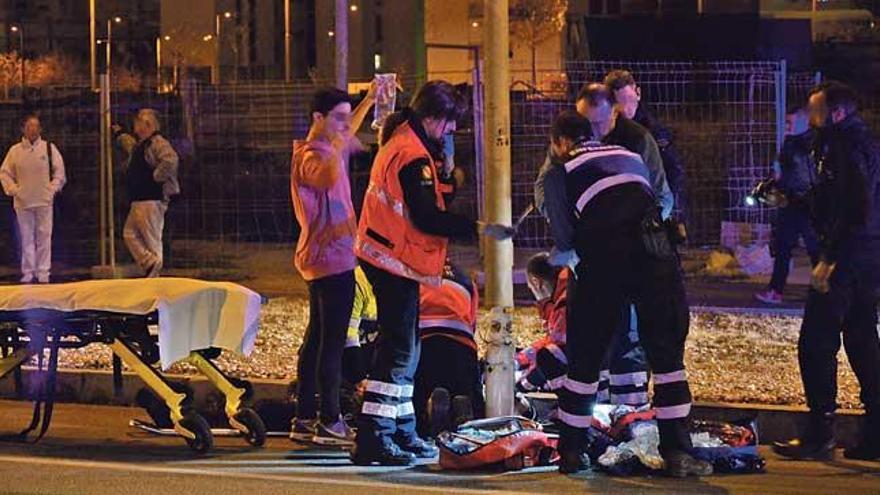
(321, 194)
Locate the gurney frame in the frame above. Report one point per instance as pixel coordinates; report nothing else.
(29, 333)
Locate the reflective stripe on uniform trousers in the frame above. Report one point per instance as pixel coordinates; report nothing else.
(376, 409)
(621, 379)
(580, 388)
(556, 383)
(575, 420)
(629, 399)
(386, 389)
(675, 376)
(671, 395)
(405, 409)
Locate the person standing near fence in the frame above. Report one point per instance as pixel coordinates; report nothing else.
(150, 181)
(401, 242)
(33, 174)
(321, 193)
(627, 257)
(794, 176)
(845, 285)
(628, 99)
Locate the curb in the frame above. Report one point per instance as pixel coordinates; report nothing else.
(775, 423)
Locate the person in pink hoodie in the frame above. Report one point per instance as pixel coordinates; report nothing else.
(321, 194)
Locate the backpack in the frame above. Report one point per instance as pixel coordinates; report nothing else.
(510, 442)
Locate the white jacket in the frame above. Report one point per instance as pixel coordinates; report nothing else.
(25, 174)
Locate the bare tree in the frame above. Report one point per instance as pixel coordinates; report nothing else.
(533, 22)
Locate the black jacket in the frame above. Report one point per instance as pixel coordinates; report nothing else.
(796, 165)
(672, 163)
(845, 202)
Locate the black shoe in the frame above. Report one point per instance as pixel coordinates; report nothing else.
(797, 448)
(462, 410)
(387, 454)
(438, 411)
(680, 464)
(573, 461)
(418, 447)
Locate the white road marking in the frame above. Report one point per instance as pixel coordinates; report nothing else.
(226, 473)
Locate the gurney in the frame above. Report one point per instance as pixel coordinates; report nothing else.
(195, 319)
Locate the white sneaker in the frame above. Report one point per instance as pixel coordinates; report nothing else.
(43, 279)
(27, 279)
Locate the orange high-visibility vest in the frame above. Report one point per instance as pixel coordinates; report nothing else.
(449, 310)
(386, 237)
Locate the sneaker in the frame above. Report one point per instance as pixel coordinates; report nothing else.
(336, 434)
(27, 279)
(302, 430)
(43, 279)
(386, 454)
(769, 297)
(680, 464)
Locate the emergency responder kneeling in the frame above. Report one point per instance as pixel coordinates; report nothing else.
(401, 242)
(625, 255)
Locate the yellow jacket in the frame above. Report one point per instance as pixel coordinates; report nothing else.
(364, 312)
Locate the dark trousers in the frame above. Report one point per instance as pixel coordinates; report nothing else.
(613, 274)
(624, 376)
(320, 356)
(449, 364)
(850, 307)
(388, 413)
(792, 223)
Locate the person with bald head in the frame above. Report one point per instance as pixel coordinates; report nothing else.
(150, 181)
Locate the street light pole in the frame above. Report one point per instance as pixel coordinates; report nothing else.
(93, 46)
(107, 51)
(20, 30)
(158, 64)
(215, 69)
(287, 36)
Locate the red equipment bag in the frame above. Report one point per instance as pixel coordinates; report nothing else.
(513, 442)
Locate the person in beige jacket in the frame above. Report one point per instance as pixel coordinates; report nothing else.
(32, 178)
(150, 180)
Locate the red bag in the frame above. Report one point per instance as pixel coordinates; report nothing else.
(513, 442)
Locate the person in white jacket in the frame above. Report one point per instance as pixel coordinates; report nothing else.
(32, 178)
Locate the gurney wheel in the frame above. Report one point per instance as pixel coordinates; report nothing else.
(204, 440)
(256, 429)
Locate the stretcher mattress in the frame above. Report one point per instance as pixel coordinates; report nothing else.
(193, 314)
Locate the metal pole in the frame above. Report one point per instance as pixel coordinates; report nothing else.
(340, 30)
(479, 130)
(215, 68)
(21, 46)
(158, 64)
(107, 51)
(104, 111)
(781, 103)
(498, 257)
(287, 39)
(93, 46)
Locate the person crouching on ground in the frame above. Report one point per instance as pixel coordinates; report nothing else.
(321, 195)
(448, 386)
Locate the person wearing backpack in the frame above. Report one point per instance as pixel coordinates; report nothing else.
(33, 174)
(150, 180)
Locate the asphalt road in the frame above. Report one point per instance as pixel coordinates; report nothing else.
(91, 449)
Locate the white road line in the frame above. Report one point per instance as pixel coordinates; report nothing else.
(118, 466)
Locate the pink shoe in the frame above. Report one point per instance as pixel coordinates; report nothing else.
(769, 297)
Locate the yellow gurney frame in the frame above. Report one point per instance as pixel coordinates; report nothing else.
(27, 333)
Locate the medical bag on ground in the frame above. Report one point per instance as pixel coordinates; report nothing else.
(507, 442)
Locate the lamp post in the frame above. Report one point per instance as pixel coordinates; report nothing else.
(215, 69)
(20, 31)
(287, 36)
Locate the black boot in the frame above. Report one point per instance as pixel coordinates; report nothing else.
(412, 444)
(680, 464)
(868, 448)
(462, 410)
(817, 443)
(385, 453)
(439, 411)
(573, 461)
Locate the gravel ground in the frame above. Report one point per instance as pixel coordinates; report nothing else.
(730, 358)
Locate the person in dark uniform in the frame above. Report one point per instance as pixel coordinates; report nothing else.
(794, 175)
(628, 98)
(402, 238)
(845, 205)
(626, 256)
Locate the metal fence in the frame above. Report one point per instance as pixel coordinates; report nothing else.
(235, 144)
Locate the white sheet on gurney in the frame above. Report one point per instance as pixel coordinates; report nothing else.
(193, 314)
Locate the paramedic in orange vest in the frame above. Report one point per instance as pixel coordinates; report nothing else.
(401, 242)
(449, 370)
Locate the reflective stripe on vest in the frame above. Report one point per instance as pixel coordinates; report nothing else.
(608, 183)
(391, 264)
